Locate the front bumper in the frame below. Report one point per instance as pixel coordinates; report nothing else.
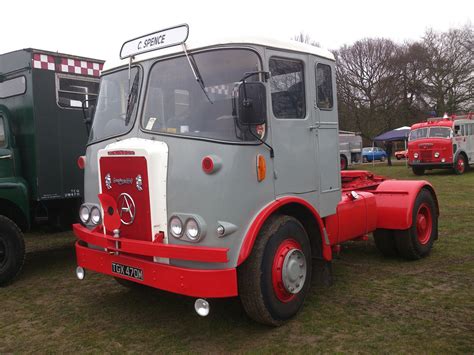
(431, 165)
(184, 281)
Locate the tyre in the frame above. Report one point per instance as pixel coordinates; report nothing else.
(343, 162)
(417, 241)
(418, 170)
(385, 242)
(364, 159)
(460, 165)
(274, 280)
(382, 158)
(12, 250)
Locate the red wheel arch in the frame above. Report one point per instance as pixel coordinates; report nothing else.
(266, 212)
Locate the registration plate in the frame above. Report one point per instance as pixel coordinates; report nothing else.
(129, 271)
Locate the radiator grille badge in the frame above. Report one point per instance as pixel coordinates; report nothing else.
(108, 181)
(139, 182)
(126, 207)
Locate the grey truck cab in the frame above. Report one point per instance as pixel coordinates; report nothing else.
(41, 135)
(211, 169)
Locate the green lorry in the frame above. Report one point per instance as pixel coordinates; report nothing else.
(42, 134)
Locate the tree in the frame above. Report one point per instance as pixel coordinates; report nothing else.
(305, 38)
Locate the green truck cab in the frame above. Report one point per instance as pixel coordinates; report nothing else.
(42, 133)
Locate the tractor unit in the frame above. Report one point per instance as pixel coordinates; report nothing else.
(212, 170)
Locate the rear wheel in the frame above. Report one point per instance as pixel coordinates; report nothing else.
(12, 250)
(418, 170)
(343, 162)
(416, 242)
(274, 280)
(385, 242)
(398, 157)
(460, 165)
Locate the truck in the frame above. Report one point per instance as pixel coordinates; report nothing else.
(442, 143)
(212, 171)
(41, 134)
(350, 148)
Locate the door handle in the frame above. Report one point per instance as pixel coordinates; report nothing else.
(6, 156)
(312, 128)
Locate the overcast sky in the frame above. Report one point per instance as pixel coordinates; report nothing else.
(98, 28)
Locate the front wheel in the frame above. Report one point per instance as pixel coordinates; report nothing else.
(460, 165)
(12, 250)
(417, 241)
(274, 280)
(382, 158)
(418, 170)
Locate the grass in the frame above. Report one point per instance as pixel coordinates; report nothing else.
(375, 305)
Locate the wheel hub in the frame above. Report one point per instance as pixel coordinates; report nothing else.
(289, 270)
(461, 165)
(294, 271)
(423, 224)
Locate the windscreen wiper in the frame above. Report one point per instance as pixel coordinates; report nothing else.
(132, 99)
(197, 74)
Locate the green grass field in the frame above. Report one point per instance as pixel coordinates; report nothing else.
(375, 305)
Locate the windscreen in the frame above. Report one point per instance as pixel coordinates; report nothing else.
(440, 132)
(418, 134)
(116, 105)
(177, 103)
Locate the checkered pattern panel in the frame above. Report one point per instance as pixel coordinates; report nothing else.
(66, 65)
(75, 66)
(229, 90)
(43, 61)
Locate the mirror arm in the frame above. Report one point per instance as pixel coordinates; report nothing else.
(272, 153)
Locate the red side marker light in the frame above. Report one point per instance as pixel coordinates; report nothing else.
(81, 162)
(210, 164)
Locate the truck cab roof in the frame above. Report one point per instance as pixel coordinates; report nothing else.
(202, 43)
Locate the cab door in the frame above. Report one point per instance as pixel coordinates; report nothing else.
(292, 126)
(325, 116)
(6, 153)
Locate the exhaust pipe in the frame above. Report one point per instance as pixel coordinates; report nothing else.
(201, 306)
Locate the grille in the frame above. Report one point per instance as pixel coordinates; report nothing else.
(426, 155)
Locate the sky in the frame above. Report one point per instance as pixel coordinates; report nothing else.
(98, 28)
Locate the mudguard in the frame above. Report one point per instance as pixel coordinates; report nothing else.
(395, 200)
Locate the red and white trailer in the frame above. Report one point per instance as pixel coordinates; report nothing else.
(442, 143)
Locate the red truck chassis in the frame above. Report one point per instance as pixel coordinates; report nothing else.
(369, 202)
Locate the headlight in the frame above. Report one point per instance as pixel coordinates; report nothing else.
(96, 216)
(415, 155)
(436, 155)
(176, 227)
(84, 214)
(192, 229)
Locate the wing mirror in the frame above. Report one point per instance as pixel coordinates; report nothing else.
(252, 107)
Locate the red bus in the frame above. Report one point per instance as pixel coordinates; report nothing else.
(442, 143)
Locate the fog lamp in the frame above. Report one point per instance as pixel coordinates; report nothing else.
(436, 155)
(80, 273)
(96, 216)
(84, 214)
(176, 227)
(192, 229)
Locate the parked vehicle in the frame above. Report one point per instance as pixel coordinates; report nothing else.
(442, 143)
(194, 186)
(401, 154)
(373, 153)
(350, 148)
(41, 135)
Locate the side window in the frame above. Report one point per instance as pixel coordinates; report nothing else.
(12, 87)
(2, 133)
(73, 90)
(324, 86)
(287, 88)
(463, 130)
